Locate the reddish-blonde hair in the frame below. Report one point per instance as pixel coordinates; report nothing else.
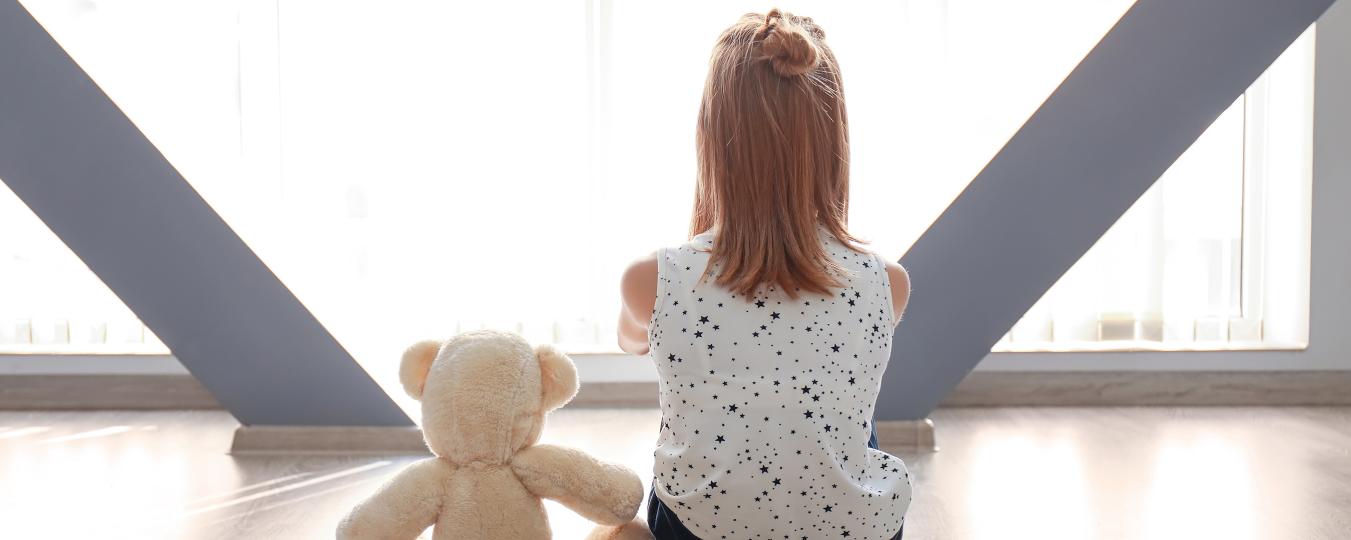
(773, 143)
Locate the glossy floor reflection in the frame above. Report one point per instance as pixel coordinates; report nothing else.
(1128, 473)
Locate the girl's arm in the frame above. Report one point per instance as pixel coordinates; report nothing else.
(900, 289)
(639, 290)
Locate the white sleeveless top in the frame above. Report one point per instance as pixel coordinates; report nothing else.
(767, 404)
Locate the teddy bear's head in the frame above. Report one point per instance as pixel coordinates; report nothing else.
(484, 394)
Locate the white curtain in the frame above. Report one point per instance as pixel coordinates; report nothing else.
(1184, 267)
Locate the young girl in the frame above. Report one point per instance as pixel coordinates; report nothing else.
(770, 328)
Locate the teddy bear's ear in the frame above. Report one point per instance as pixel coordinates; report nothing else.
(558, 377)
(417, 360)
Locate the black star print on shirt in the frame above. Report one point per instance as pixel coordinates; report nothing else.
(824, 360)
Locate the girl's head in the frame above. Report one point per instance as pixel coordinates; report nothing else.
(773, 143)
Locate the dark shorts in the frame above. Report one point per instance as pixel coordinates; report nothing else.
(664, 524)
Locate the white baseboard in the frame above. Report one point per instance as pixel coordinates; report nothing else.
(616, 395)
(1151, 388)
(903, 435)
(254, 440)
(72, 391)
(67, 391)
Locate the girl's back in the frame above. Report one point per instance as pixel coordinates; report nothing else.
(770, 328)
(767, 402)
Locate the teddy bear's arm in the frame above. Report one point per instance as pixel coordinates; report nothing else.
(402, 508)
(604, 493)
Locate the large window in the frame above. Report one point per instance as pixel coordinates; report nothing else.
(1216, 253)
(413, 169)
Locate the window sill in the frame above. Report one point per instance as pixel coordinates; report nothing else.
(1058, 347)
(605, 353)
(130, 349)
(1146, 346)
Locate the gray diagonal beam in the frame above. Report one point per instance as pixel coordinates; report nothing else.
(99, 184)
(1149, 88)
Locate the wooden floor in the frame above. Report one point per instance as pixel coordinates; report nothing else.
(1158, 473)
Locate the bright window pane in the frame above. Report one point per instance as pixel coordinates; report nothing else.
(49, 300)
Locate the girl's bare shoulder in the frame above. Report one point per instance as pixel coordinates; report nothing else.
(639, 282)
(900, 287)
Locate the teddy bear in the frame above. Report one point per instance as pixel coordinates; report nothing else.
(484, 396)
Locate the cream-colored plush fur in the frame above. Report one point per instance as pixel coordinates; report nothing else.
(484, 398)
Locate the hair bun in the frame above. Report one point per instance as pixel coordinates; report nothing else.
(788, 45)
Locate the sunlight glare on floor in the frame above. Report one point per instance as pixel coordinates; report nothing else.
(1015, 480)
(1198, 486)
